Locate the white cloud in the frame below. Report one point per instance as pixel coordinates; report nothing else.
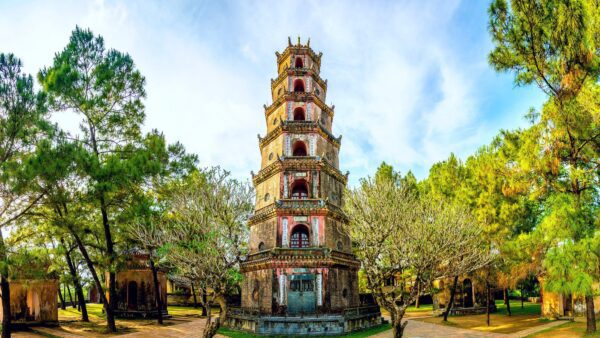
(404, 93)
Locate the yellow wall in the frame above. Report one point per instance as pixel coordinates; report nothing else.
(33, 298)
(274, 147)
(272, 186)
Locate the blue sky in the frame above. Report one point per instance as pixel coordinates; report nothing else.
(409, 79)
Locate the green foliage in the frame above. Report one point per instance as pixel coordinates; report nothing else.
(553, 43)
(556, 44)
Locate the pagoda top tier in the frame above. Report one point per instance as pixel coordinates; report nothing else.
(298, 53)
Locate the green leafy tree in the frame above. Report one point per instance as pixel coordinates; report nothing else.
(556, 45)
(22, 123)
(413, 239)
(105, 89)
(151, 214)
(207, 237)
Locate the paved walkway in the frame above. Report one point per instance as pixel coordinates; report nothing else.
(414, 329)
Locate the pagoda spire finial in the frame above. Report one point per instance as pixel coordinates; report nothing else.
(289, 41)
(299, 40)
(308, 43)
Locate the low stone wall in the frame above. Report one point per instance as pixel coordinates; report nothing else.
(353, 319)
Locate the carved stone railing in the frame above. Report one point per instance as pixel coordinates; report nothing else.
(321, 253)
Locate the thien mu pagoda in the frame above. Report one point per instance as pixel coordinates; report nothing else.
(300, 277)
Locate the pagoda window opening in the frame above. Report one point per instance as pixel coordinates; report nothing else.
(299, 149)
(299, 63)
(299, 114)
(298, 86)
(300, 237)
(300, 190)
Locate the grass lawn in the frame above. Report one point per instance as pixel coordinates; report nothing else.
(412, 311)
(521, 319)
(568, 330)
(358, 334)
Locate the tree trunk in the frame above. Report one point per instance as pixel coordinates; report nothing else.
(507, 302)
(223, 307)
(204, 300)
(4, 291)
(70, 296)
(112, 276)
(451, 302)
(397, 325)
(522, 297)
(417, 303)
(62, 300)
(110, 314)
(590, 316)
(157, 298)
(210, 329)
(78, 287)
(487, 301)
(194, 295)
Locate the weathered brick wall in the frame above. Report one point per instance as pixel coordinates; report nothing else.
(257, 290)
(145, 289)
(334, 233)
(331, 188)
(341, 289)
(264, 232)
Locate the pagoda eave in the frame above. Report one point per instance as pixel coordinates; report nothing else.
(299, 163)
(299, 50)
(299, 258)
(298, 97)
(293, 208)
(299, 127)
(298, 72)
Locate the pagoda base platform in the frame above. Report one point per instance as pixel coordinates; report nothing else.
(352, 319)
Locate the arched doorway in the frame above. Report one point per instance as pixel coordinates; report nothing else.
(300, 190)
(299, 149)
(299, 63)
(298, 86)
(132, 291)
(299, 114)
(467, 293)
(300, 237)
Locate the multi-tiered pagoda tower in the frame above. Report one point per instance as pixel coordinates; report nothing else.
(301, 275)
